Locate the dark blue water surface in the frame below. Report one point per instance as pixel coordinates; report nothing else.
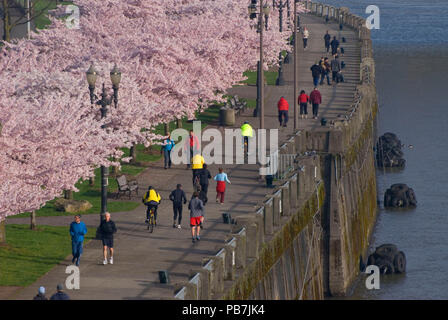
(411, 55)
(404, 22)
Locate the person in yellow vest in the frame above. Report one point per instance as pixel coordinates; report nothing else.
(197, 165)
(152, 200)
(246, 132)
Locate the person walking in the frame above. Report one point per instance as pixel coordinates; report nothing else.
(204, 176)
(197, 166)
(193, 146)
(196, 208)
(327, 39)
(60, 294)
(334, 46)
(326, 74)
(303, 103)
(335, 68)
(77, 231)
(316, 100)
(316, 72)
(178, 196)
(40, 294)
(322, 70)
(283, 107)
(168, 145)
(306, 35)
(221, 179)
(107, 229)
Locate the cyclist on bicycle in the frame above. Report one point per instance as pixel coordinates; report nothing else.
(151, 199)
(246, 132)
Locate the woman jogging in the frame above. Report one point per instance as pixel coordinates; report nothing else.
(221, 179)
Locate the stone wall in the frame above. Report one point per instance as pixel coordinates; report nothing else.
(306, 239)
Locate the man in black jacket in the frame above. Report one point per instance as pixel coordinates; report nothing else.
(204, 176)
(327, 39)
(107, 229)
(316, 72)
(178, 197)
(334, 46)
(60, 294)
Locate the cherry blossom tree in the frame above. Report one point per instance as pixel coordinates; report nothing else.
(175, 56)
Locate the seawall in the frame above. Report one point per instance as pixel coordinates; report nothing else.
(306, 240)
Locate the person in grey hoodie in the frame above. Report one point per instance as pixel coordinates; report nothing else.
(335, 68)
(196, 207)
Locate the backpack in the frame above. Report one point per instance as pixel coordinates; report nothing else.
(145, 198)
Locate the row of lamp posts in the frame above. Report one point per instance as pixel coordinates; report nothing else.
(263, 16)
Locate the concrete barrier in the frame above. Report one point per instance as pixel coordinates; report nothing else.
(241, 249)
(286, 199)
(278, 207)
(294, 192)
(268, 211)
(230, 259)
(252, 234)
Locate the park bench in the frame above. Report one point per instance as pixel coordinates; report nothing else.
(125, 186)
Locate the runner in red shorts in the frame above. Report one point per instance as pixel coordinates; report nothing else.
(196, 207)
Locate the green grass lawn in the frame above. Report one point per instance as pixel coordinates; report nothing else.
(270, 76)
(30, 254)
(93, 195)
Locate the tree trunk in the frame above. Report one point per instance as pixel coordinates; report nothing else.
(179, 123)
(133, 154)
(3, 231)
(33, 221)
(92, 181)
(68, 194)
(167, 128)
(6, 21)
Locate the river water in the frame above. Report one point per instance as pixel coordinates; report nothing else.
(411, 55)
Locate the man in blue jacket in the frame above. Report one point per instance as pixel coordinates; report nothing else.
(77, 231)
(168, 145)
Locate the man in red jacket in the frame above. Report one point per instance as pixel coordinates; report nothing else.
(283, 107)
(192, 145)
(316, 100)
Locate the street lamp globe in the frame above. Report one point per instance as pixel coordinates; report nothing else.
(252, 9)
(266, 9)
(91, 75)
(115, 76)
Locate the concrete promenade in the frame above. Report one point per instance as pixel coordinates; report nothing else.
(139, 255)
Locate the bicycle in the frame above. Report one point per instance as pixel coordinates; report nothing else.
(152, 220)
(246, 149)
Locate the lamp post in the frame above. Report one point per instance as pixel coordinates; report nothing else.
(115, 77)
(280, 80)
(264, 10)
(296, 114)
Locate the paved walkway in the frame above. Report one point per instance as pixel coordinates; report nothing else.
(139, 254)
